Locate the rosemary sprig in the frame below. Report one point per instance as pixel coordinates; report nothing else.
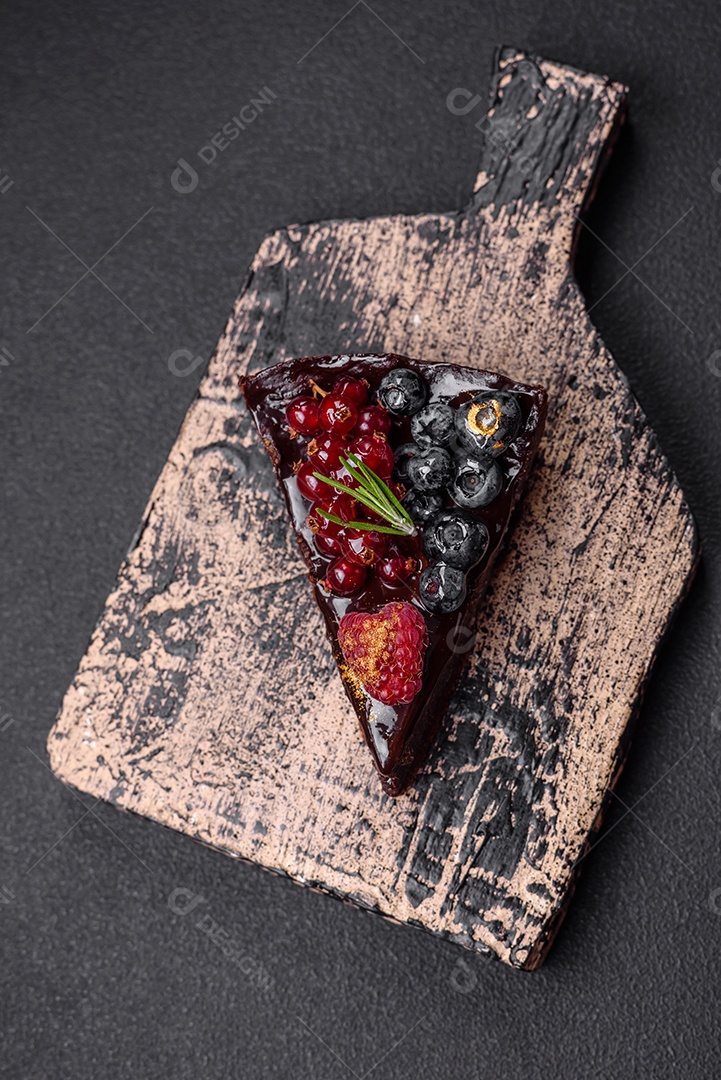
(368, 526)
(374, 494)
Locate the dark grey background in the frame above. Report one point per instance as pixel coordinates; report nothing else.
(99, 977)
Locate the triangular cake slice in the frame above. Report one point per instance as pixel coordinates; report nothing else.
(433, 458)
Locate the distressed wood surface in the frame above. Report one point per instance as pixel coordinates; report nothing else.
(208, 698)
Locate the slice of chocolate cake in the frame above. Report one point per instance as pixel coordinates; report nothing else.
(400, 478)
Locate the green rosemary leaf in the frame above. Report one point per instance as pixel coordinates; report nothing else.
(374, 494)
(353, 469)
(395, 502)
(369, 526)
(395, 511)
(367, 475)
(363, 476)
(384, 492)
(367, 500)
(361, 496)
(335, 484)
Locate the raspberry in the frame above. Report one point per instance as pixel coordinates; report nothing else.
(384, 651)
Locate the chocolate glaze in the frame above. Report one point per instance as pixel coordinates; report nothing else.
(398, 736)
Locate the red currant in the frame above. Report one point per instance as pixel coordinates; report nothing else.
(341, 505)
(394, 569)
(328, 545)
(309, 485)
(328, 536)
(302, 415)
(364, 546)
(319, 524)
(353, 390)
(326, 451)
(373, 418)
(374, 451)
(337, 414)
(342, 474)
(345, 577)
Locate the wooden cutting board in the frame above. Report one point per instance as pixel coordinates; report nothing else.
(208, 699)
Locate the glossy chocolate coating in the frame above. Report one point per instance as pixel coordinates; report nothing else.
(398, 736)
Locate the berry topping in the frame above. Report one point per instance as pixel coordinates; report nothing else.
(355, 391)
(394, 569)
(442, 588)
(403, 455)
(422, 505)
(309, 485)
(477, 480)
(384, 651)
(327, 536)
(341, 506)
(337, 414)
(364, 535)
(328, 545)
(375, 452)
(326, 452)
(302, 415)
(317, 523)
(364, 546)
(433, 425)
(339, 472)
(345, 577)
(402, 391)
(488, 422)
(338, 503)
(372, 419)
(431, 469)
(456, 539)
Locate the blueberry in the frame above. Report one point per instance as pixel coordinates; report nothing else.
(477, 480)
(431, 469)
(456, 539)
(442, 588)
(422, 505)
(433, 425)
(402, 391)
(489, 421)
(402, 456)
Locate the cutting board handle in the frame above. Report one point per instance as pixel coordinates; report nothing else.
(547, 130)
